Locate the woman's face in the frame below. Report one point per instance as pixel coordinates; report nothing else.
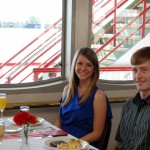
(84, 68)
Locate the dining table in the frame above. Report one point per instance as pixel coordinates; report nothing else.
(39, 134)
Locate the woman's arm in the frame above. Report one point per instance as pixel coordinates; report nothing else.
(113, 146)
(58, 122)
(100, 108)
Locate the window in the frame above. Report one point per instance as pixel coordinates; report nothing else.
(31, 40)
(117, 29)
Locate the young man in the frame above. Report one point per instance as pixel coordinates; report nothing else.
(133, 132)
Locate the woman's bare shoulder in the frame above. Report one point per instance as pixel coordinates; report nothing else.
(65, 91)
(100, 95)
(66, 88)
(100, 92)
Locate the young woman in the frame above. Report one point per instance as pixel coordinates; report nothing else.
(84, 107)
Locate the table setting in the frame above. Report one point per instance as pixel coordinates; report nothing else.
(24, 131)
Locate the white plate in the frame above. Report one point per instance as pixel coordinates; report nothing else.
(12, 129)
(40, 120)
(46, 144)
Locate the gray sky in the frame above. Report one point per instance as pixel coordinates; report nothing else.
(20, 10)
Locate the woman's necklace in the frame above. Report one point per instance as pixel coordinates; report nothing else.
(82, 91)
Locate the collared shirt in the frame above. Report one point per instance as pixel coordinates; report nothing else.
(133, 132)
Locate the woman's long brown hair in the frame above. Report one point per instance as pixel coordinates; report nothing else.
(74, 80)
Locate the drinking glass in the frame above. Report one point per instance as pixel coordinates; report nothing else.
(2, 103)
(2, 129)
(25, 108)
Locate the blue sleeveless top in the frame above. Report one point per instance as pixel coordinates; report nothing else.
(77, 120)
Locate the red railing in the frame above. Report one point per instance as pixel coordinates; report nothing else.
(116, 34)
(100, 5)
(113, 26)
(109, 13)
(5, 64)
(37, 71)
(12, 72)
(29, 64)
(44, 66)
(27, 56)
(48, 62)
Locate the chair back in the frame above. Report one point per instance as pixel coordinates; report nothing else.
(103, 142)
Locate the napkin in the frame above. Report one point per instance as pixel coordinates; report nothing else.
(37, 134)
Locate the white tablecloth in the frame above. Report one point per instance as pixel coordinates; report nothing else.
(34, 143)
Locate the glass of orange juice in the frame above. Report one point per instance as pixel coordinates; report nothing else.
(2, 103)
(2, 129)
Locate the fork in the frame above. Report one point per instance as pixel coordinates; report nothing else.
(55, 135)
(37, 129)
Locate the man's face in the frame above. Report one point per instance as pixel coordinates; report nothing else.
(141, 77)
